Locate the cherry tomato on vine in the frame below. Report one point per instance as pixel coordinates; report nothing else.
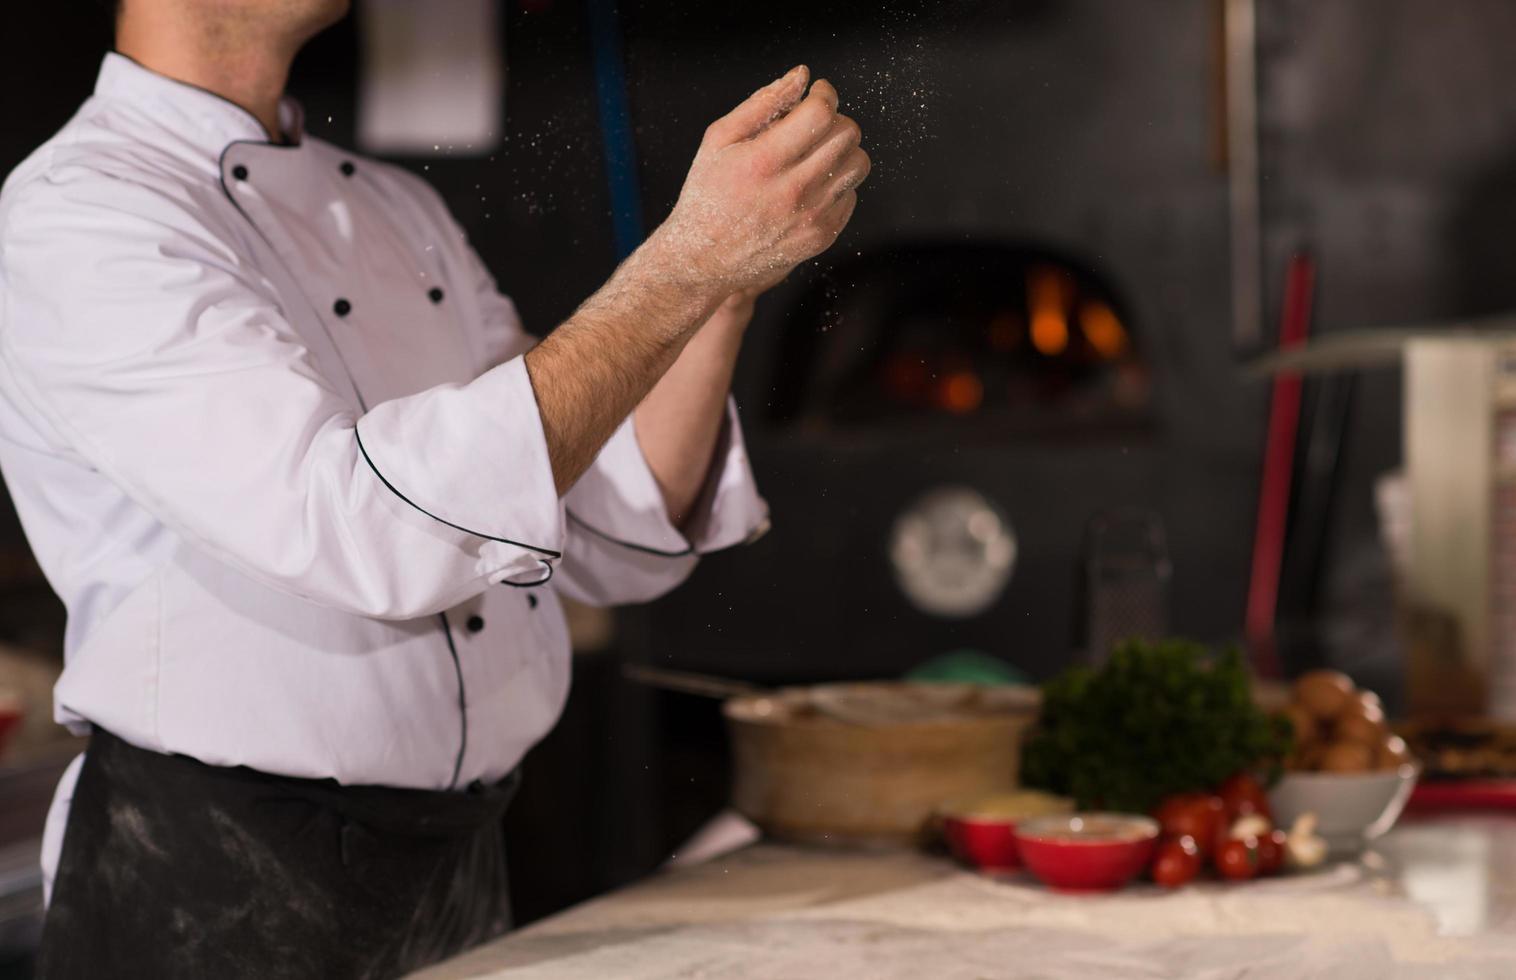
(1196, 815)
(1271, 852)
(1238, 858)
(1177, 862)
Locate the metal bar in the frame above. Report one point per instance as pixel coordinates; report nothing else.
(685, 682)
(1379, 347)
(1242, 174)
(1310, 528)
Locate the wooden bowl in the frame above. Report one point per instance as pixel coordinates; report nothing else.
(869, 764)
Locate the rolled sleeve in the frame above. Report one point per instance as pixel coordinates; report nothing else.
(730, 511)
(426, 450)
(621, 545)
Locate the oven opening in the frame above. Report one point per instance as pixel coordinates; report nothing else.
(997, 338)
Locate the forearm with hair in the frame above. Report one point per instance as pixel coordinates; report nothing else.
(593, 370)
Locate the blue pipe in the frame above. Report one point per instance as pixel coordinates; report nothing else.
(616, 126)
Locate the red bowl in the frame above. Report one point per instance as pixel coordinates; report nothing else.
(1087, 852)
(987, 843)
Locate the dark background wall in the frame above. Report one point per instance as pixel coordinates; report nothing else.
(1091, 127)
(1388, 136)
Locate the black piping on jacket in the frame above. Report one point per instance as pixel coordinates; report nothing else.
(442, 520)
(576, 519)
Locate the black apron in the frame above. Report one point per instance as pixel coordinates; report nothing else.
(173, 868)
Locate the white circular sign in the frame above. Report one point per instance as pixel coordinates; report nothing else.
(953, 552)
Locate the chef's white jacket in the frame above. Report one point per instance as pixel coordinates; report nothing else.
(265, 420)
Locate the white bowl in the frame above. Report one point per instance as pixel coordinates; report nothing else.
(1352, 808)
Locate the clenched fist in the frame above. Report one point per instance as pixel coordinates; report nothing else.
(772, 185)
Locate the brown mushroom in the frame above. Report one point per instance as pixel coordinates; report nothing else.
(1324, 693)
(1347, 757)
(1364, 725)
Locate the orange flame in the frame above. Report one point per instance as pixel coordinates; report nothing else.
(1047, 290)
(1102, 329)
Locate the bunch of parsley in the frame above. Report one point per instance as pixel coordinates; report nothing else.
(1154, 720)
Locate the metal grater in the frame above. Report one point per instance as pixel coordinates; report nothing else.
(1124, 591)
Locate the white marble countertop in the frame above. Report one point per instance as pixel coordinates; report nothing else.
(1436, 898)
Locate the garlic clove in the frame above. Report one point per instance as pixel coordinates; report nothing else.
(1251, 825)
(1303, 847)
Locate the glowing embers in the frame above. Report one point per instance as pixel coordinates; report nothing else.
(998, 337)
(1051, 295)
(909, 380)
(961, 392)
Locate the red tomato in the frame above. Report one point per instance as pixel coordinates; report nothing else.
(1271, 852)
(1197, 815)
(1177, 862)
(1242, 795)
(1238, 859)
(1223, 834)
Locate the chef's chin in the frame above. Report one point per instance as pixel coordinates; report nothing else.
(333, 10)
(317, 15)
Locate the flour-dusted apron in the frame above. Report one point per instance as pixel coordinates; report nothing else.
(173, 868)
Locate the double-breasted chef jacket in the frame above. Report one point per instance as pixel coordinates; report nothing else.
(265, 420)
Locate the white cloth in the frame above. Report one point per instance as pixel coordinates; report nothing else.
(265, 420)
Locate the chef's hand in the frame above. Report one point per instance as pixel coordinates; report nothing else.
(773, 184)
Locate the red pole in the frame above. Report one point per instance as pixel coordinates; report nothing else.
(1278, 470)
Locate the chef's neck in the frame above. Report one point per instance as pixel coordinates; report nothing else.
(239, 51)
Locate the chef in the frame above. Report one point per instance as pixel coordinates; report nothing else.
(311, 495)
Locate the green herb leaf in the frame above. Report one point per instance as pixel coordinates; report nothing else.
(1154, 720)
